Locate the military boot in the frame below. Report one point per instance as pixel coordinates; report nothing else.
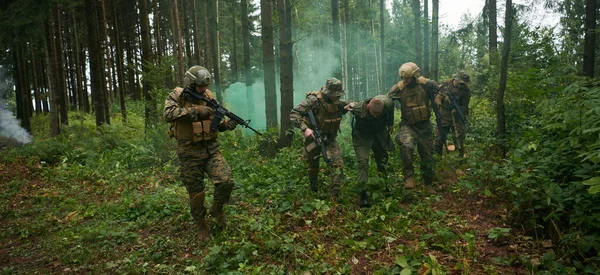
(409, 184)
(313, 179)
(198, 213)
(221, 197)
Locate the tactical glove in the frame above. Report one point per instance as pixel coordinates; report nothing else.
(227, 125)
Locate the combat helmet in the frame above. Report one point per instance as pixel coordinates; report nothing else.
(409, 69)
(333, 87)
(197, 75)
(462, 77)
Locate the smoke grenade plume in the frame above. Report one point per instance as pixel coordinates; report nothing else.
(9, 125)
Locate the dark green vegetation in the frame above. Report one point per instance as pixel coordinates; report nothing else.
(108, 201)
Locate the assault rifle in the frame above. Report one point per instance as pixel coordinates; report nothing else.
(220, 111)
(454, 101)
(319, 140)
(438, 119)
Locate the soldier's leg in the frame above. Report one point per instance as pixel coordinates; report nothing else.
(461, 132)
(312, 169)
(191, 173)
(424, 147)
(440, 138)
(406, 140)
(362, 147)
(381, 156)
(336, 170)
(219, 172)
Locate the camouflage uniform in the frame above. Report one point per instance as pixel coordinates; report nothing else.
(450, 118)
(415, 125)
(328, 115)
(370, 133)
(199, 154)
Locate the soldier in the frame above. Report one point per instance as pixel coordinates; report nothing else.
(453, 103)
(372, 125)
(415, 94)
(327, 109)
(198, 148)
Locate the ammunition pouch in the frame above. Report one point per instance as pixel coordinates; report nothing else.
(416, 114)
(330, 126)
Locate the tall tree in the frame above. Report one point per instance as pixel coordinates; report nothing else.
(382, 12)
(96, 64)
(500, 114)
(233, 58)
(335, 18)
(266, 20)
(198, 43)
(426, 38)
(61, 90)
(286, 72)
(179, 39)
(119, 56)
(246, 44)
(151, 116)
(493, 27)
(215, 52)
(416, 7)
(435, 5)
(589, 50)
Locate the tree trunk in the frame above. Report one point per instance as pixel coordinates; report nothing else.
(96, 64)
(287, 71)
(246, 44)
(233, 59)
(382, 12)
(110, 97)
(426, 53)
(34, 71)
(208, 34)
(435, 4)
(60, 68)
(53, 98)
(335, 18)
(120, 60)
(157, 26)
(493, 34)
(503, 76)
(416, 7)
(266, 17)
(589, 50)
(23, 94)
(151, 116)
(216, 62)
(346, 76)
(197, 45)
(186, 23)
(178, 38)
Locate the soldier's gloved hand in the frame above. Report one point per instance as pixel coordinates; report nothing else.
(231, 124)
(308, 133)
(203, 111)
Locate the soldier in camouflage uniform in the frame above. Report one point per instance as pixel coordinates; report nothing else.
(372, 125)
(451, 117)
(415, 94)
(328, 110)
(198, 149)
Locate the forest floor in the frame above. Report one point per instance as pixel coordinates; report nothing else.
(470, 236)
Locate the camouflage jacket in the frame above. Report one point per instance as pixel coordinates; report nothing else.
(365, 123)
(446, 108)
(322, 108)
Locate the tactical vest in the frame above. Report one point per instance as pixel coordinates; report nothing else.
(195, 131)
(414, 102)
(327, 115)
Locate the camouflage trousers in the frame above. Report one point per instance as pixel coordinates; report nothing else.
(442, 135)
(380, 144)
(334, 154)
(421, 135)
(200, 159)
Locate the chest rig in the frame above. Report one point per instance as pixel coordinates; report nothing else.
(414, 102)
(327, 114)
(194, 130)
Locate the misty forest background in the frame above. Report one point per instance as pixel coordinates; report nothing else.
(88, 177)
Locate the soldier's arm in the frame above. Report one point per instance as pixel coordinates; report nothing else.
(394, 93)
(297, 114)
(174, 111)
(464, 102)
